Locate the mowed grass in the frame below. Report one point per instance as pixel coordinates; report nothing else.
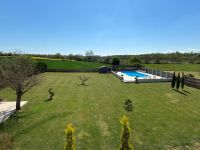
(67, 64)
(162, 117)
(175, 67)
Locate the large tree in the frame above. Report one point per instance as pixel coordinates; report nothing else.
(89, 55)
(19, 74)
(115, 61)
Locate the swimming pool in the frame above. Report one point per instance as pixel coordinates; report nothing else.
(134, 74)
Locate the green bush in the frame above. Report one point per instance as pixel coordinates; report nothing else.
(128, 105)
(51, 94)
(41, 67)
(115, 61)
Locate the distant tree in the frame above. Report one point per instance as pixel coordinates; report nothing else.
(136, 60)
(178, 81)
(89, 55)
(182, 81)
(115, 61)
(58, 56)
(18, 73)
(107, 60)
(70, 139)
(125, 134)
(173, 80)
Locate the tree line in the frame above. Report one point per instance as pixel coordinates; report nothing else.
(176, 57)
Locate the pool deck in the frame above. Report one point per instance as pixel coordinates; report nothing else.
(7, 109)
(150, 78)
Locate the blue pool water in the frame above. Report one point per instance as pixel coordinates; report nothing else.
(134, 74)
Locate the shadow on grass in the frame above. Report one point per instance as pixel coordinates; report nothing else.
(82, 85)
(186, 91)
(180, 92)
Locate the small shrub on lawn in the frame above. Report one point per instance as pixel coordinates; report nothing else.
(69, 140)
(128, 105)
(83, 79)
(51, 94)
(125, 134)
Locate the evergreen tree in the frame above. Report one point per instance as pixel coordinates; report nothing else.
(182, 81)
(125, 134)
(173, 80)
(70, 140)
(178, 81)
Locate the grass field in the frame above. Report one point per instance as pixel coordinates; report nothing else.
(175, 67)
(162, 117)
(67, 64)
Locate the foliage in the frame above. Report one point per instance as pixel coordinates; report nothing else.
(190, 75)
(89, 55)
(51, 94)
(41, 67)
(18, 73)
(136, 60)
(128, 105)
(125, 134)
(178, 81)
(173, 83)
(182, 81)
(70, 139)
(83, 79)
(115, 61)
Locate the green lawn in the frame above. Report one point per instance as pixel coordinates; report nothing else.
(162, 117)
(175, 67)
(60, 64)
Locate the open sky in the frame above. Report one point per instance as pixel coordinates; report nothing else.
(105, 26)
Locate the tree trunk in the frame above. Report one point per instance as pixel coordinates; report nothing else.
(18, 101)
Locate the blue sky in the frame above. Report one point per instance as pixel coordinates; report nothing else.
(105, 26)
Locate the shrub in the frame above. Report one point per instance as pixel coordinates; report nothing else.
(178, 81)
(190, 75)
(173, 80)
(51, 94)
(125, 134)
(115, 61)
(69, 140)
(128, 105)
(83, 79)
(41, 67)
